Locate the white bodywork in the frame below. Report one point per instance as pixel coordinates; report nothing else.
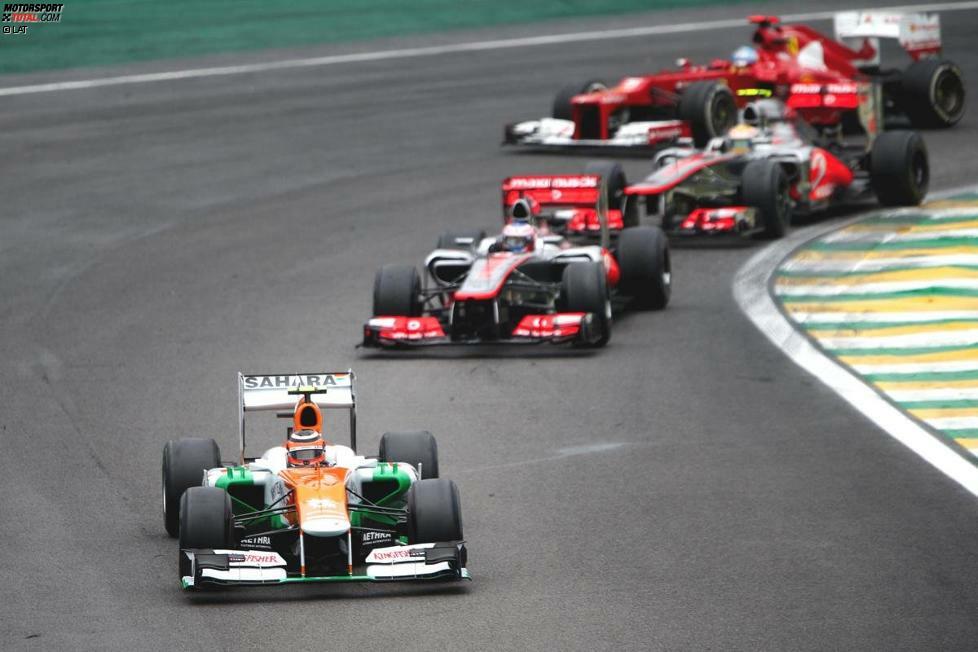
(914, 31)
(557, 132)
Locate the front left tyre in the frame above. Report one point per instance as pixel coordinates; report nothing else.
(899, 171)
(184, 463)
(584, 287)
(709, 108)
(764, 186)
(646, 267)
(434, 512)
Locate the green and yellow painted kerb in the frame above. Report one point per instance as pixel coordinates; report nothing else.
(895, 297)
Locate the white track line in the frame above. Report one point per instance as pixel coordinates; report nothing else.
(914, 368)
(929, 339)
(954, 423)
(841, 264)
(434, 50)
(881, 317)
(751, 293)
(869, 289)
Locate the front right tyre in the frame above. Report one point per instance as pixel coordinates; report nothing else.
(184, 463)
(206, 521)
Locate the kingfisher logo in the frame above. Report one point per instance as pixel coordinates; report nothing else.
(18, 17)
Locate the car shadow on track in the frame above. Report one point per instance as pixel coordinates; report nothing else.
(479, 352)
(295, 593)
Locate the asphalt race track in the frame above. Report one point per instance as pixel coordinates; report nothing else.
(686, 488)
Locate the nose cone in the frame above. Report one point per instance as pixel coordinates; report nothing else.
(325, 526)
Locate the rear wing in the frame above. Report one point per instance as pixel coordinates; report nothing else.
(553, 191)
(270, 392)
(549, 194)
(918, 33)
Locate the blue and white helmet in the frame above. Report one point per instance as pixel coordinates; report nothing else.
(745, 55)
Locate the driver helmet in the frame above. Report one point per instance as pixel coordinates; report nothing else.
(745, 55)
(740, 138)
(305, 448)
(517, 237)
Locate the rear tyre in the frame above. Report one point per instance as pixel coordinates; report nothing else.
(709, 108)
(898, 168)
(461, 240)
(615, 184)
(434, 512)
(417, 448)
(397, 291)
(764, 186)
(932, 93)
(562, 100)
(184, 463)
(646, 267)
(585, 289)
(206, 521)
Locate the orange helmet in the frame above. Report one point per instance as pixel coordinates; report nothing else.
(305, 448)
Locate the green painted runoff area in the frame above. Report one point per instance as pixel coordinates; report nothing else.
(105, 32)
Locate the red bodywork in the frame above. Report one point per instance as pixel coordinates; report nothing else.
(820, 95)
(578, 193)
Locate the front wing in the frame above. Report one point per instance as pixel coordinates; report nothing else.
(556, 133)
(422, 561)
(402, 332)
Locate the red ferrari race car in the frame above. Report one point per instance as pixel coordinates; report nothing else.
(818, 76)
(550, 276)
(771, 166)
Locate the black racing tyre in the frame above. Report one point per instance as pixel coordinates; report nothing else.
(764, 185)
(562, 100)
(932, 93)
(434, 512)
(585, 289)
(646, 266)
(397, 291)
(899, 171)
(417, 448)
(206, 521)
(461, 240)
(709, 108)
(184, 463)
(615, 184)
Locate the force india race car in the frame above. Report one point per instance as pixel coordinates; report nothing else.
(754, 178)
(558, 288)
(818, 76)
(307, 510)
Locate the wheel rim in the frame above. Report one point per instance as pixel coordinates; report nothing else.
(721, 111)
(948, 94)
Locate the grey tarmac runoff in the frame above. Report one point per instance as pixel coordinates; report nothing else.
(687, 487)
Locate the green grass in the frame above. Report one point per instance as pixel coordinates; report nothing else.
(104, 32)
